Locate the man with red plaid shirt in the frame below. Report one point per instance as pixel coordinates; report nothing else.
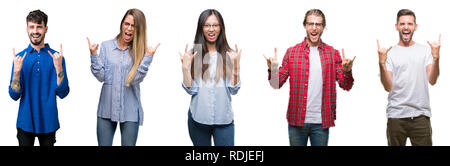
(313, 68)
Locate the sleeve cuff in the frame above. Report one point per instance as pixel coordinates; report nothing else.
(147, 60)
(237, 86)
(349, 73)
(14, 94)
(62, 86)
(192, 91)
(94, 57)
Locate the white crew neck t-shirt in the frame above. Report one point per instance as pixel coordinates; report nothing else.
(409, 95)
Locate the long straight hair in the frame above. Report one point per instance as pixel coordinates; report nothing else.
(223, 63)
(139, 42)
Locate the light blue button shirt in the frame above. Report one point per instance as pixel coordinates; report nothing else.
(211, 101)
(118, 102)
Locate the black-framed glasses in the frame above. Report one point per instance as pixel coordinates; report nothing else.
(311, 24)
(215, 26)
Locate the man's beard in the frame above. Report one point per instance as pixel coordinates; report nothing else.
(38, 42)
(408, 40)
(318, 38)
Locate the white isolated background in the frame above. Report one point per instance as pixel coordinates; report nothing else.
(256, 27)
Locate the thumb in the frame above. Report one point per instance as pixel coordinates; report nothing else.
(181, 56)
(51, 54)
(24, 55)
(389, 49)
(265, 57)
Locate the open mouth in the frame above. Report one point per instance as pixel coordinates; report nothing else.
(314, 35)
(406, 34)
(211, 36)
(128, 36)
(35, 36)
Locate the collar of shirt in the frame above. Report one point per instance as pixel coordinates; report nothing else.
(305, 46)
(30, 48)
(116, 46)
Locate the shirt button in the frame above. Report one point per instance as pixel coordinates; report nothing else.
(306, 84)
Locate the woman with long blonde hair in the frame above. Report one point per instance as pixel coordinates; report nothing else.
(122, 64)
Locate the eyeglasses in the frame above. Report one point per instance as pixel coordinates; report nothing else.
(128, 25)
(311, 24)
(207, 26)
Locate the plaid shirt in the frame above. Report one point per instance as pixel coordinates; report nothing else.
(296, 65)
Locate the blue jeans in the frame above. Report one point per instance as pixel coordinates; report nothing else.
(298, 135)
(201, 134)
(106, 129)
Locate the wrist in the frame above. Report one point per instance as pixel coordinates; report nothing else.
(60, 74)
(186, 68)
(58, 69)
(273, 69)
(15, 85)
(236, 68)
(16, 73)
(435, 58)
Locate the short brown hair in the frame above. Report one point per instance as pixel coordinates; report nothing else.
(37, 16)
(406, 12)
(316, 12)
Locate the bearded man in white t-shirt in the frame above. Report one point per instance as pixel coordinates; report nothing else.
(405, 71)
